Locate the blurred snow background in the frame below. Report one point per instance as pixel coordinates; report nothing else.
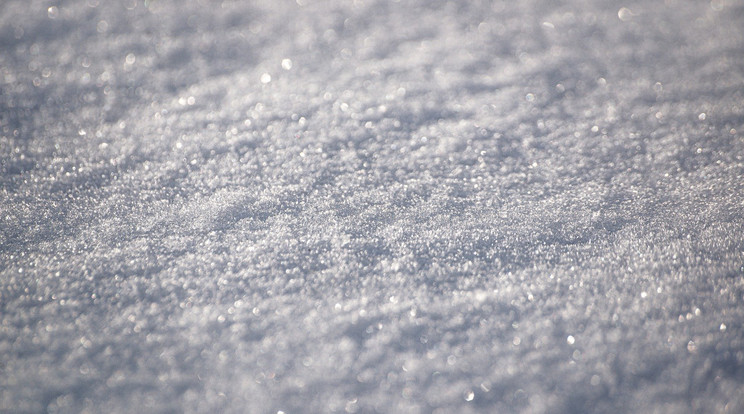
(372, 206)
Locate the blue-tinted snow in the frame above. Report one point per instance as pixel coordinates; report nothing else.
(337, 206)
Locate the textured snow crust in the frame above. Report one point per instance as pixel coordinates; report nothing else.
(372, 206)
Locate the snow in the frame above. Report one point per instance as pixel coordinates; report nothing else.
(371, 206)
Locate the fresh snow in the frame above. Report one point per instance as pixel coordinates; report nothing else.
(372, 206)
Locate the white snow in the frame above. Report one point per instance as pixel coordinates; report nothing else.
(371, 206)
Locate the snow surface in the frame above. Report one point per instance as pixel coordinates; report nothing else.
(372, 206)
